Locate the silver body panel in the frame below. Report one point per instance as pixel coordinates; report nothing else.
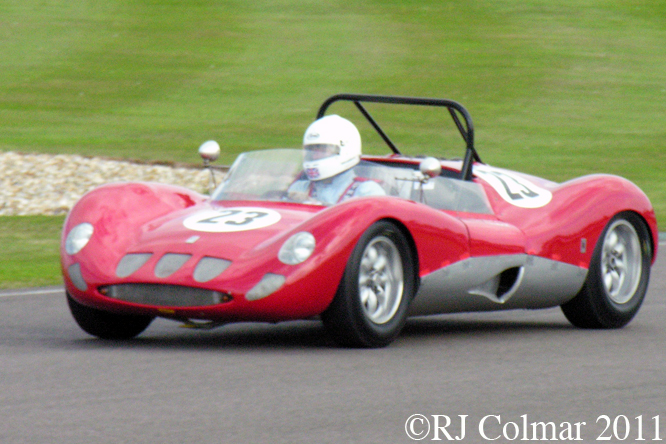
(472, 285)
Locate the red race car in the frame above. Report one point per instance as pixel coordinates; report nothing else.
(285, 237)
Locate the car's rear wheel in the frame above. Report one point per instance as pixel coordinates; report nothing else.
(618, 276)
(107, 325)
(370, 307)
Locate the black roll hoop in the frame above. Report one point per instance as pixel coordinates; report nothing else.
(465, 126)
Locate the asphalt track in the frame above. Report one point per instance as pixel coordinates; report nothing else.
(491, 375)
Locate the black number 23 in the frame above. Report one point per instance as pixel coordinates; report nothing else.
(234, 217)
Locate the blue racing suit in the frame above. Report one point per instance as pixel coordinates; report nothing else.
(338, 188)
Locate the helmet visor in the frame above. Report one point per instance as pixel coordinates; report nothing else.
(318, 151)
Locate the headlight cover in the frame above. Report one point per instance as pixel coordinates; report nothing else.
(78, 237)
(297, 248)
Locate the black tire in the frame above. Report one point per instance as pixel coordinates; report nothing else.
(370, 306)
(618, 276)
(107, 325)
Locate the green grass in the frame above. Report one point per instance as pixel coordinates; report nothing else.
(30, 251)
(556, 89)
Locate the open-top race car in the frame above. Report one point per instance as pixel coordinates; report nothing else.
(434, 236)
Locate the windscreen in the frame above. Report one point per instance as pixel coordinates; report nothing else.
(271, 175)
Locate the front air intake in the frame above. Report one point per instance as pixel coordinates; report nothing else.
(165, 295)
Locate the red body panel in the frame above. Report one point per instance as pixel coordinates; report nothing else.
(579, 209)
(309, 287)
(149, 218)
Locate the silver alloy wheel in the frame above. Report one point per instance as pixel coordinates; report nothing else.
(621, 262)
(381, 280)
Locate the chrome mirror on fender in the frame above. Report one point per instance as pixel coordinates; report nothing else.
(209, 152)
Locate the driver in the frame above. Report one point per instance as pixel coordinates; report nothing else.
(331, 148)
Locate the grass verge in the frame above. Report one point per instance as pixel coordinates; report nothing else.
(30, 256)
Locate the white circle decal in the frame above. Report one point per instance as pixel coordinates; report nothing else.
(227, 220)
(513, 188)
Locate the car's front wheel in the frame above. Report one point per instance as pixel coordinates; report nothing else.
(107, 325)
(618, 276)
(370, 307)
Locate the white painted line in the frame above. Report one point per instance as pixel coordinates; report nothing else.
(31, 292)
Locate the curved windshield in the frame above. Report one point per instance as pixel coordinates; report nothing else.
(261, 175)
(277, 175)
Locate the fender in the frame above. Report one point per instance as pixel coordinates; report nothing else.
(577, 214)
(119, 210)
(439, 238)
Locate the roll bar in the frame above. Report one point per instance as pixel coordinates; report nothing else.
(465, 126)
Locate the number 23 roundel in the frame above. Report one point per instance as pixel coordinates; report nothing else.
(227, 220)
(513, 188)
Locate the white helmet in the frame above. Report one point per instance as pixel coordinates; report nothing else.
(331, 145)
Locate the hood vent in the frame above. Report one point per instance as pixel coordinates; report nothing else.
(131, 263)
(170, 263)
(209, 268)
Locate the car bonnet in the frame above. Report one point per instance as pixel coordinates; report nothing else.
(225, 231)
